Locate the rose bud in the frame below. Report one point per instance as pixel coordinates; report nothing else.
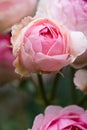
(12, 11)
(42, 45)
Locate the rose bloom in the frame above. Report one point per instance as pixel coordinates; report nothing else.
(80, 80)
(71, 13)
(41, 45)
(7, 73)
(57, 118)
(12, 11)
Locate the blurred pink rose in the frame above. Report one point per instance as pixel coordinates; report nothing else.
(57, 118)
(40, 45)
(6, 59)
(72, 13)
(12, 11)
(80, 80)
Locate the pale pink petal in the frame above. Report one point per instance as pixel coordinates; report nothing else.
(21, 66)
(72, 109)
(80, 61)
(38, 122)
(80, 80)
(51, 63)
(79, 43)
(51, 112)
(34, 39)
(56, 48)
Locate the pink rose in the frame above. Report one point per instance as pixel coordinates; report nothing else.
(72, 13)
(80, 80)
(6, 59)
(12, 11)
(40, 45)
(57, 118)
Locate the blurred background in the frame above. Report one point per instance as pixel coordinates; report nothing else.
(20, 100)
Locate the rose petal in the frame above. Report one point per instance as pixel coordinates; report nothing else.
(80, 80)
(55, 62)
(79, 42)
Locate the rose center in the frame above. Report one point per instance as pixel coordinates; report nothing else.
(46, 33)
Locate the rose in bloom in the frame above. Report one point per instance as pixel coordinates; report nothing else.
(80, 80)
(72, 13)
(6, 59)
(40, 45)
(57, 118)
(12, 11)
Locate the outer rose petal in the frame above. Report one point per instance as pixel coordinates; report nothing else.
(55, 62)
(38, 122)
(18, 31)
(12, 11)
(78, 39)
(51, 112)
(19, 68)
(80, 80)
(72, 109)
(80, 61)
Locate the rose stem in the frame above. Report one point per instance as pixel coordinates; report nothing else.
(73, 89)
(42, 90)
(54, 87)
